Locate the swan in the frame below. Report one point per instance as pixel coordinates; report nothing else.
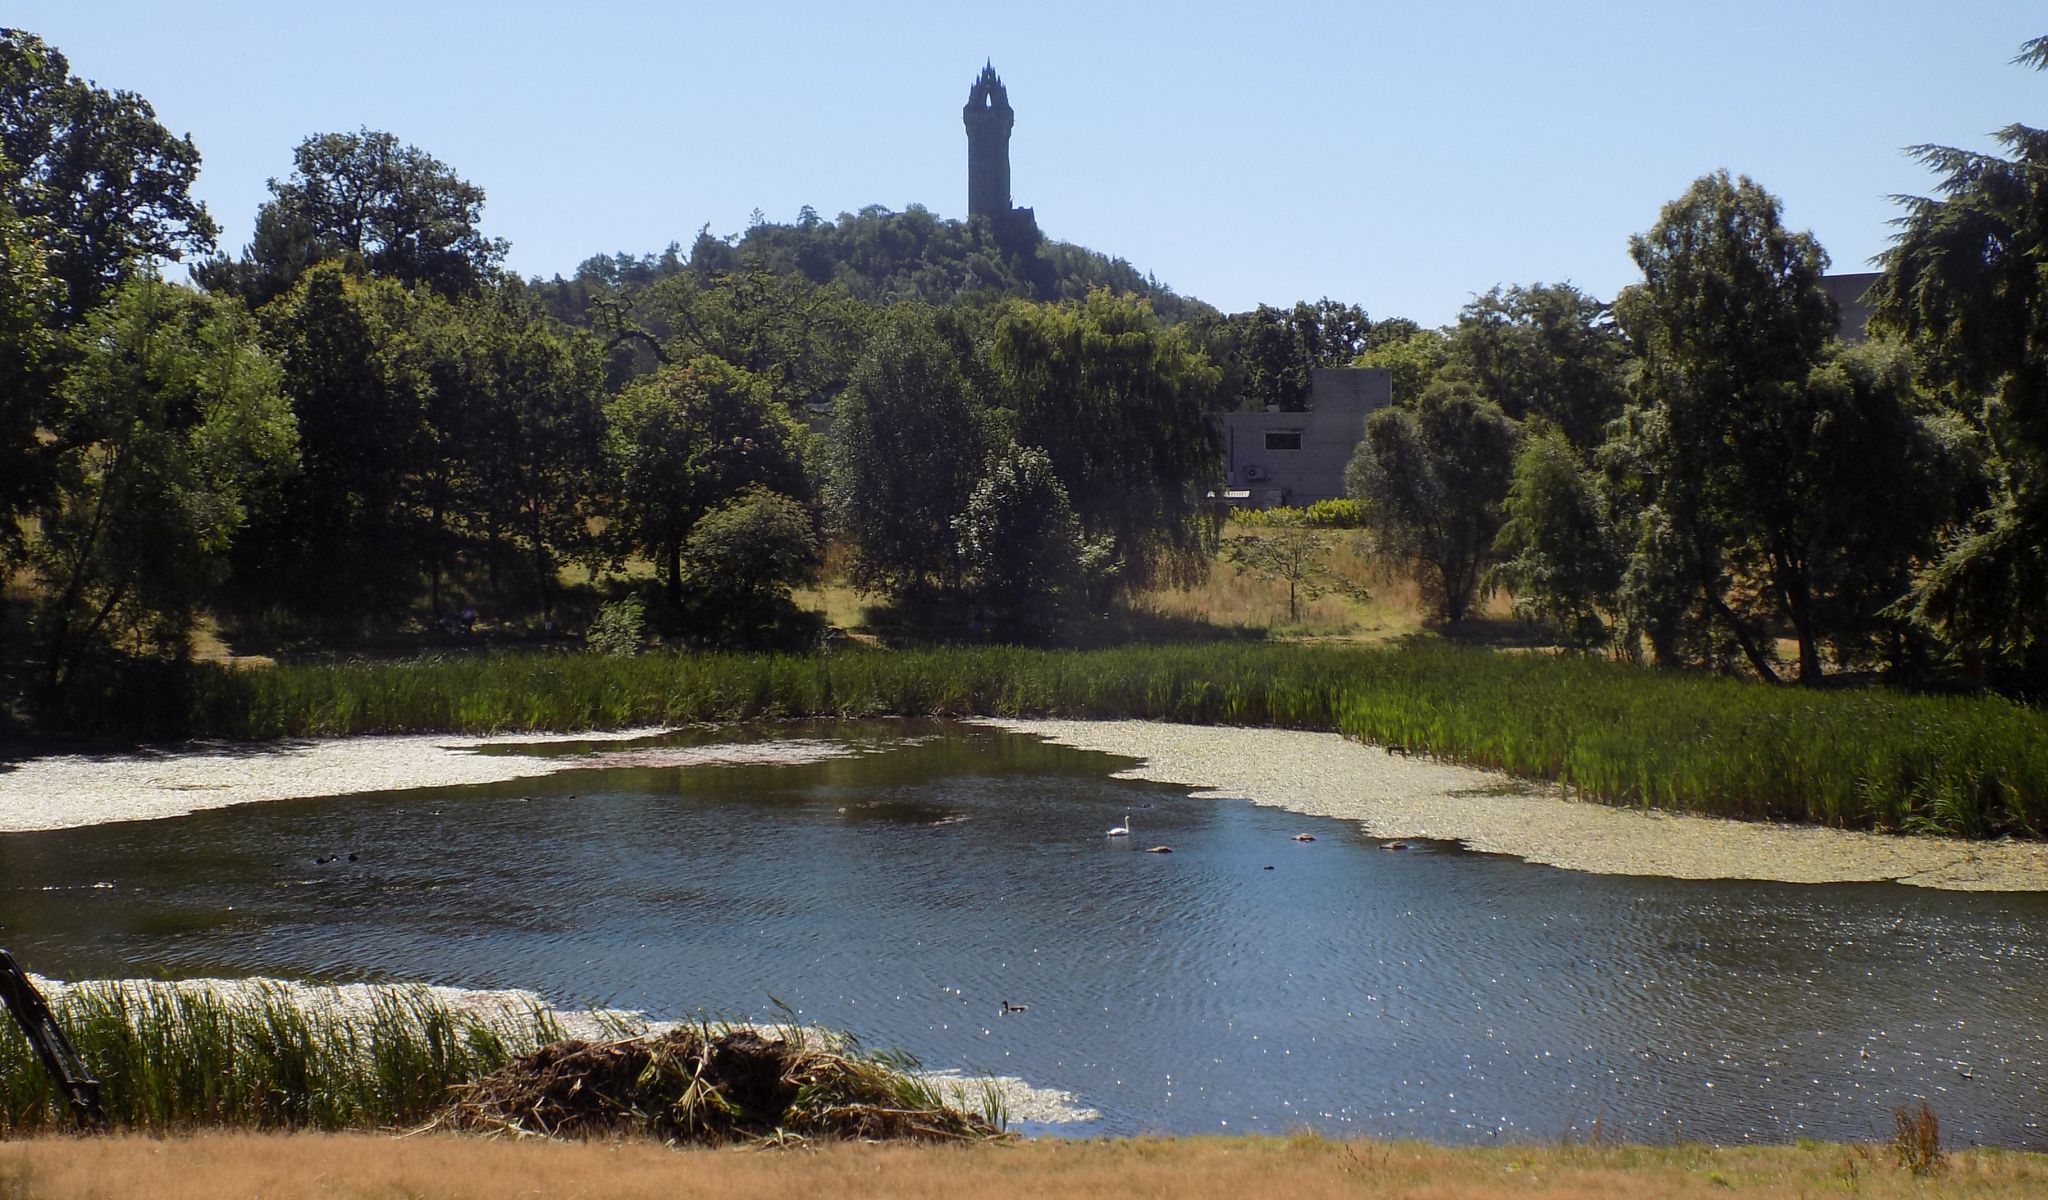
(1123, 830)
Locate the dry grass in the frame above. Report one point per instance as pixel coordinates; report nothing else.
(1235, 599)
(441, 1167)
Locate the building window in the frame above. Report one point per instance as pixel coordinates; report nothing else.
(1283, 441)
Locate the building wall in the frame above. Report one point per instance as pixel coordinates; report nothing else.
(1847, 291)
(1340, 399)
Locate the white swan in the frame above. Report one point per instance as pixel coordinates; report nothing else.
(1123, 830)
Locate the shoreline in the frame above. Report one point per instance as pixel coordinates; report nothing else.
(1396, 796)
(513, 1013)
(1312, 773)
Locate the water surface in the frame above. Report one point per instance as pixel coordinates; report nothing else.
(1246, 981)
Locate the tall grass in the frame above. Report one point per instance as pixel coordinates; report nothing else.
(1867, 758)
(173, 1057)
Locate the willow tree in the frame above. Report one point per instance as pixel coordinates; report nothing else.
(1121, 405)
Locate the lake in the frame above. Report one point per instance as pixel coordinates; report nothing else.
(903, 880)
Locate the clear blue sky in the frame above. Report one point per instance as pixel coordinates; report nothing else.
(1399, 156)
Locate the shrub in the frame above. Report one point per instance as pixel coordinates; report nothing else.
(620, 628)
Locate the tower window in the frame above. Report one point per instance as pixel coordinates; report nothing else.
(1283, 441)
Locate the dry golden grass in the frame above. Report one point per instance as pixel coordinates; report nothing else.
(443, 1167)
(1235, 599)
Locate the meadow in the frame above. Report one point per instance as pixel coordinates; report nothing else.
(1306, 1167)
(1859, 758)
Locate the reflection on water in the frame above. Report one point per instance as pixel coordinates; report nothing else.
(1244, 982)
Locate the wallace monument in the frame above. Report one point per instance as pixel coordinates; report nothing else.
(989, 119)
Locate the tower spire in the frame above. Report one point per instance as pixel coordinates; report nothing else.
(989, 119)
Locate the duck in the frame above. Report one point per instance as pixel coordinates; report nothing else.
(1160, 850)
(1393, 845)
(1304, 837)
(1123, 830)
(1009, 1008)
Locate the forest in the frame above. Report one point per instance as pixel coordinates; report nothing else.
(362, 430)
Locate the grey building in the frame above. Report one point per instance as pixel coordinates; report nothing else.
(1298, 458)
(1848, 291)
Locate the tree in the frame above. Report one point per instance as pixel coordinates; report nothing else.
(1964, 278)
(1277, 349)
(1022, 544)
(1432, 481)
(1547, 350)
(743, 557)
(907, 448)
(1563, 565)
(1728, 324)
(513, 435)
(800, 338)
(345, 539)
(1121, 407)
(394, 208)
(29, 299)
(684, 440)
(171, 428)
(1286, 550)
(95, 176)
(1414, 362)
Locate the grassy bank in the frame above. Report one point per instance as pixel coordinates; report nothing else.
(271, 1056)
(1853, 758)
(223, 1167)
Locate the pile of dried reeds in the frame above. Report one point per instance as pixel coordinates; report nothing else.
(699, 1086)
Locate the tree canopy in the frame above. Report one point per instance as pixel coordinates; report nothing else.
(392, 207)
(93, 173)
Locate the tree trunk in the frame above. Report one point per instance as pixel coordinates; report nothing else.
(675, 575)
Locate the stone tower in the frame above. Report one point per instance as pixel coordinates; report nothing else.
(989, 119)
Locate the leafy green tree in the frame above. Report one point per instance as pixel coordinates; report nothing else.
(399, 211)
(799, 337)
(1726, 326)
(1120, 404)
(1432, 480)
(1277, 349)
(171, 427)
(1758, 456)
(1546, 350)
(28, 349)
(93, 174)
(345, 540)
(743, 557)
(513, 436)
(908, 442)
(1022, 544)
(1287, 550)
(1964, 278)
(684, 440)
(1563, 563)
(1414, 361)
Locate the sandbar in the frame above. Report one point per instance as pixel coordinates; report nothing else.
(66, 791)
(1399, 797)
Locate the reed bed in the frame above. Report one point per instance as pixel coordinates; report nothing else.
(1855, 758)
(172, 1057)
(262, 1055)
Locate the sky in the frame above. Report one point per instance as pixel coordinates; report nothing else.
(1403, 157)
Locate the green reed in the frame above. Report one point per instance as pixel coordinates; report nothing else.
(1861, 758)
(171, 1058)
